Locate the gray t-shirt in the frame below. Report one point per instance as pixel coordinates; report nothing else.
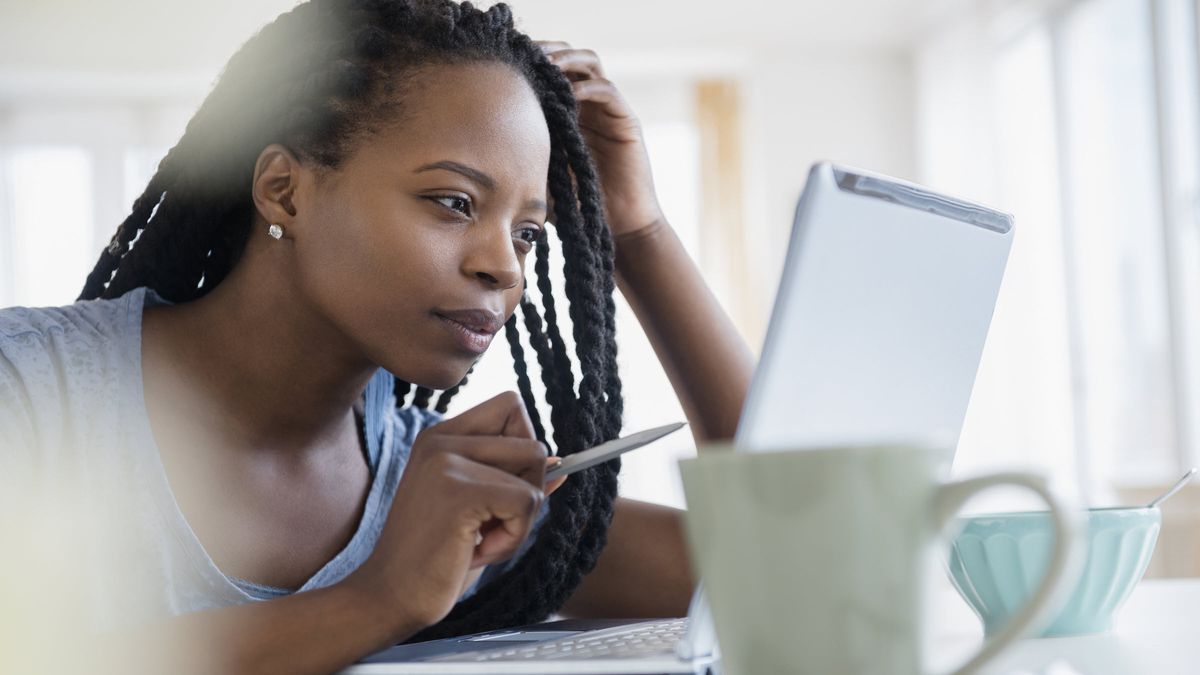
(73, 424)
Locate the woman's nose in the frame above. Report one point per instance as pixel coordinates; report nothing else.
(492, 259)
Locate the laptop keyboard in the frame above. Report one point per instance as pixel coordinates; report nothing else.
(648, 639)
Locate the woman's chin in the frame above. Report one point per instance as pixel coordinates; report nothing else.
(440, 381)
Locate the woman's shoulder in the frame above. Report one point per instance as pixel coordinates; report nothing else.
(85, 319)
(50, 356)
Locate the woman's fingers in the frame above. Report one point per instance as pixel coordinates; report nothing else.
(499, 539)
(598, 91)
(614, 136)
(520, 457)
(496, 470)
(501, 415)
(577, 63)
(611, 118)
(509, 510)
(553, 485)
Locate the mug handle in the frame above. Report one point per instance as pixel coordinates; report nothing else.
(1064, 560)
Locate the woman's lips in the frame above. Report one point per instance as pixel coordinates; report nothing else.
(472, 329)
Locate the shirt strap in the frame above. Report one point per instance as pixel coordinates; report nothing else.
(379, 401)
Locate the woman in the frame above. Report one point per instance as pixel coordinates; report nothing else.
(347, 216)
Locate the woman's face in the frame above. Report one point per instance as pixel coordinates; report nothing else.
(415, 246)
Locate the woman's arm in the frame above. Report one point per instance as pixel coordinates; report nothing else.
(705, 358)
(319, 631)
(644, 570)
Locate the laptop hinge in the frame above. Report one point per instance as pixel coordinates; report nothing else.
(701, 637)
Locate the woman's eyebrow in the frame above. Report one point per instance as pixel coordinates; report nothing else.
(475, 175)
(479, 177)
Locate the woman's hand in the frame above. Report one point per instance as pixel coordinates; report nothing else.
(468, 498)
(614, 136)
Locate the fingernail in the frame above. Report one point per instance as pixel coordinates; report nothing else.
(555, 464)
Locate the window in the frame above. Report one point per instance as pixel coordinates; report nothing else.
(46, 223)
(69, 172)
(1082, 120)
(1116, 268)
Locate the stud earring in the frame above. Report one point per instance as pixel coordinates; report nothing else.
(275, 231)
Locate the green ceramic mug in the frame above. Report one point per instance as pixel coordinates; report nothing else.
(815, 560)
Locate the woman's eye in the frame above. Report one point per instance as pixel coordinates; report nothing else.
(528, 235)
(459, 204)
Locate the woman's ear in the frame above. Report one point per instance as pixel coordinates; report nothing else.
(277, 175)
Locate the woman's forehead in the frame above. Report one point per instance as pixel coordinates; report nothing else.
(482, 110)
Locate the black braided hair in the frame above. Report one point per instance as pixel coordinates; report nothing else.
(318, 79)
(423, 396)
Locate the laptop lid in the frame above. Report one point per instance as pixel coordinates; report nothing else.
(882, 311)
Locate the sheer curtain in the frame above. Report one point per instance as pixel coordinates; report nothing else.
(1078, 117)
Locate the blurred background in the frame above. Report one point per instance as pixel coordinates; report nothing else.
(1081, 117)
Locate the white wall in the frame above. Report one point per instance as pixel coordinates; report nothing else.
(854, 107)
(799, 106)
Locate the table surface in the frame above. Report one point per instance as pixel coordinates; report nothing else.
(1157, 633)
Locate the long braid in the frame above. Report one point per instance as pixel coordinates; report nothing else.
(319, 79)
(581, 510)
(513, 334)
(112, 254)
(580, 282)
(554, 359)
(600, 242)
(598, 245)
(545, 357)
(422, 397)
(443, 401)
(401, 391)
(591, 298)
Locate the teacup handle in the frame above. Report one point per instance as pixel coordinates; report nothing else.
(1064, 560)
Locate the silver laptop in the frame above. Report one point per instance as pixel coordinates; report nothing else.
(883, 307)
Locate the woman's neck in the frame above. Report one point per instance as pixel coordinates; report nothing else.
(256, 359)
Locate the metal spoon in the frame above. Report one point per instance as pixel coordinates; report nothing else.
(1174, 488)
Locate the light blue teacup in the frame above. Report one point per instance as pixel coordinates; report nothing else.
(998, 560)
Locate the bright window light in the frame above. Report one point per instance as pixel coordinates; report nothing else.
(49, 221)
